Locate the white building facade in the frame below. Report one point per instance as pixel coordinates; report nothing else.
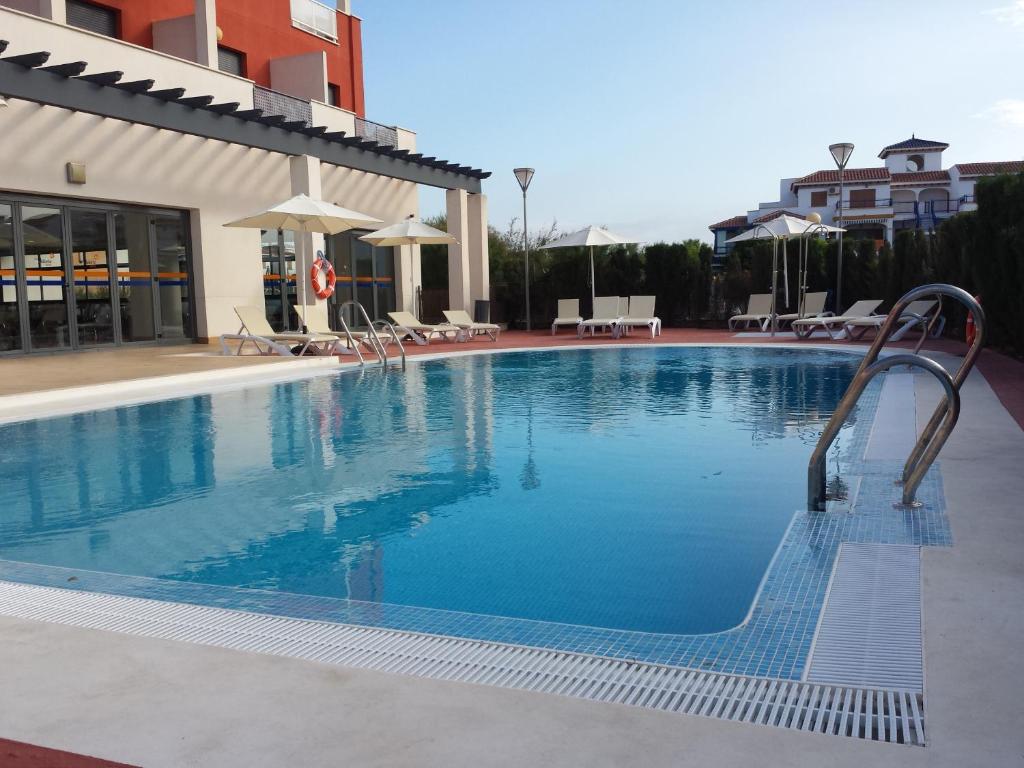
(911, 190)
(121, 164)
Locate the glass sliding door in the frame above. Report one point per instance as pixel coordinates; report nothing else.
(339, 253)
(365, 273)
(170, 243)
(42, 234)
(79, 274)
(10, 315)
(90, 264)
(384, 281)
(273, 280)
(279, 284)
(134, 276)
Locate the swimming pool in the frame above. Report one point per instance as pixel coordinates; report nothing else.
(636, 489)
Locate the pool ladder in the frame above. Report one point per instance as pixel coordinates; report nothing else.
(946, 413)
(373, 337)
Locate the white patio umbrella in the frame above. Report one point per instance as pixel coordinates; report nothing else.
(781, 229)
(303, 213)
(589, 237)
(408, 232)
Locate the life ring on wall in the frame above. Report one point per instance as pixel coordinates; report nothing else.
(322, 267)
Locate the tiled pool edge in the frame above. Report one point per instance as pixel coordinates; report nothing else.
(885, 715)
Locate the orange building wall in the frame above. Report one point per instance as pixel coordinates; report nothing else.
(262, 31)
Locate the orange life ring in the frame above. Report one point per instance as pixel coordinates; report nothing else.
(322, 265)
(972, 329)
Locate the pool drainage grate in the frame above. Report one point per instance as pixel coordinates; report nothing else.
(895, 716)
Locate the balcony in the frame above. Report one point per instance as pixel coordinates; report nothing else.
(276, 103)
(382, 134)
(316, 18)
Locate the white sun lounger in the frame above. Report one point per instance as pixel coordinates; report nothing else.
(568, 314)
(461, 319)
(917, 314)
(606, 315)
(640, 314)
(759, 310)
(862, 309)
(814, 306)
(406, 323)
(265, 340)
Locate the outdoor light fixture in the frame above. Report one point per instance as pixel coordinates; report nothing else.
(841, 154)
(524, 176)
(3, 101)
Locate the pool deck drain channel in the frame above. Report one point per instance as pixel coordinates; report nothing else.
(870, 630)
(875, 714)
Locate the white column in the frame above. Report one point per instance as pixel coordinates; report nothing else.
(458, 253)
(206, 32)
(305, 177)
(407, 277)
(479, 267)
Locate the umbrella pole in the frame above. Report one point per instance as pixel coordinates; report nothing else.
(775, 280)
(593, 286)
(785, 268)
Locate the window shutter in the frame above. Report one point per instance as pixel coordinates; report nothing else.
(94, 18)
(230, 61)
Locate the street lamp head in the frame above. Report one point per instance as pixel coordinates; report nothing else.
(523, 176)
(841, 153)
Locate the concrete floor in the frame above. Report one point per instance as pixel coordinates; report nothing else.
(153, 703)
(32, 373)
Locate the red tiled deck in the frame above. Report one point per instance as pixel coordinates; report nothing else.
(19, 755)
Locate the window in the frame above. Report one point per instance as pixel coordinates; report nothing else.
(819, 199)
(230, 61)
(95, 18)
(334, 95)
(862, 198)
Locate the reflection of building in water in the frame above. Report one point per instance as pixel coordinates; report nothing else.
(779, 392)
(362, 458)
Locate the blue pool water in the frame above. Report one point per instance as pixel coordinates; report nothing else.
(641, 489)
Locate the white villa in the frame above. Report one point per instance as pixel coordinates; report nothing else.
(910, 191)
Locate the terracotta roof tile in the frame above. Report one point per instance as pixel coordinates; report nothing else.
(911, 144)
(990, 169)
(734, 223)
(825, 178)
(774, 215)
(921, 177)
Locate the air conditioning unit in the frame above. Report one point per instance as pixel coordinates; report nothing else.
(833, 190)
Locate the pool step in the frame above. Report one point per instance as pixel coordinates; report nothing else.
(895, 716)
(870, 628)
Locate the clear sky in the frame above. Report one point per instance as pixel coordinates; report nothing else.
(659, 117)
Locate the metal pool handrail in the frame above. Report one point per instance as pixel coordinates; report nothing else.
(386, 326)
(945, 415)
(374, 339)
(816, 495)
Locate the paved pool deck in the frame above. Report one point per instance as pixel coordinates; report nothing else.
(160, 703)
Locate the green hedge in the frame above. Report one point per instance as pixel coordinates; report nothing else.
(982, 252)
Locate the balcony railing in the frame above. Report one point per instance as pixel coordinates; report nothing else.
(382, 134)
(316, 18)
(277, 103)
(883, 202)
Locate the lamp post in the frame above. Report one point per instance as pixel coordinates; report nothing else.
(841, 154)
(524, 176)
